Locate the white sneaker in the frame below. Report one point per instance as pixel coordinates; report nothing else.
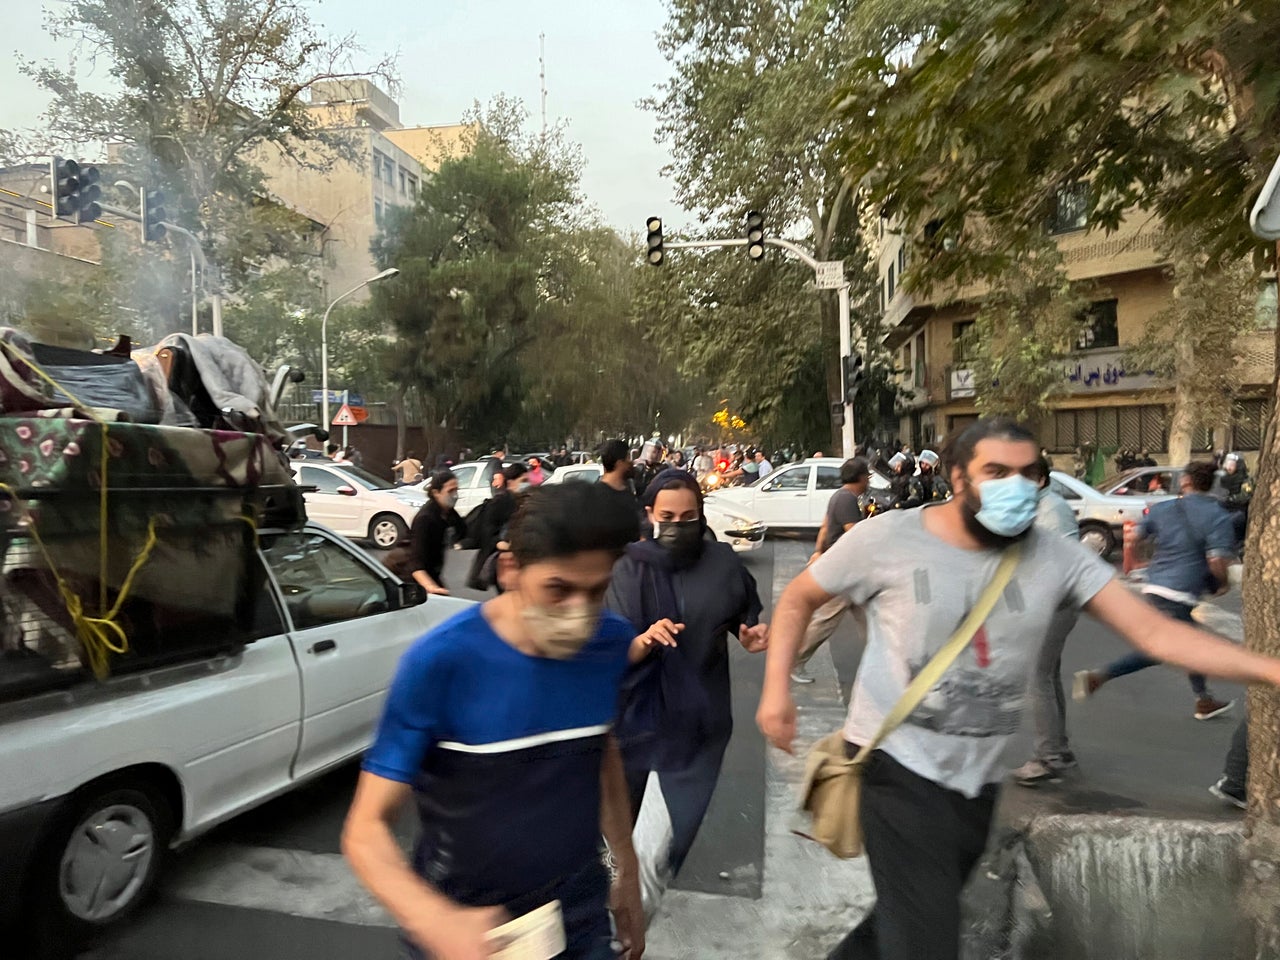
(801, 675)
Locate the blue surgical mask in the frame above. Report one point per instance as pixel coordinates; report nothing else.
(1008, 505)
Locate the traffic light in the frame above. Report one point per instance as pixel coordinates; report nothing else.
(853, 375)
(755, 235)
(655, 254)
(74, 190)
(87, 207)
(151, 203)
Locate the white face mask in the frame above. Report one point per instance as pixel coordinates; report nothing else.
(560, 633)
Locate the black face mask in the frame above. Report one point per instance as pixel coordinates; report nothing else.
(682, 537)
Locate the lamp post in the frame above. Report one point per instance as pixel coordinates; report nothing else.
(386, 274)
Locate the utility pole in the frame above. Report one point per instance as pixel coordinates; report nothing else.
(827, 275)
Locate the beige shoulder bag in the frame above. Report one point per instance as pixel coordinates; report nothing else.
(832, 787)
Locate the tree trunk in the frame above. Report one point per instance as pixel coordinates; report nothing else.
(398, 406)
(1262, 633)
(1180, 429)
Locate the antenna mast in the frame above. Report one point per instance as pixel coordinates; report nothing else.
(542, 78)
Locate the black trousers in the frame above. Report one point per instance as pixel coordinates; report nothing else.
(922, 842)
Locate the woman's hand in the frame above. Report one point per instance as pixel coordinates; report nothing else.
(754, 639)
(661, 634)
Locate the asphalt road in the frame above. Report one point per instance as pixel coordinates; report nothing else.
(271, 883)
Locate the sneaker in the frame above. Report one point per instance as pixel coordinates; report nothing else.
(1227, 793)
(801, 675)
(1034, 772)
(1207, 708)
(1086, 684)
(1063, 761)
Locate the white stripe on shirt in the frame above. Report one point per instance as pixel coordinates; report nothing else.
(523, 743)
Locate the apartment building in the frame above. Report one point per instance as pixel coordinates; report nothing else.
(353, 198)
(1102, 401)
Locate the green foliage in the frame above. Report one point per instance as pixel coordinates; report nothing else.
(746, 132)
(512, 309)
(201, 93)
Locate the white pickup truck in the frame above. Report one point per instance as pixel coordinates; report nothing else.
(99, 779)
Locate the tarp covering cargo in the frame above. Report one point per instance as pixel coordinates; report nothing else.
(125, 544)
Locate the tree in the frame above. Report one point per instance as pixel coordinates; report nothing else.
(746, 132)
(971, 116)
(197, 88)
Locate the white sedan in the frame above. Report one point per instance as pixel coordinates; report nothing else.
(794, 496)
(733, 526)
(356, 503)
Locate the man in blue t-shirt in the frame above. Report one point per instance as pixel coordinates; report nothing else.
(497, 725)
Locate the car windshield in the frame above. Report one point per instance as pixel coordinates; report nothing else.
(370, 480)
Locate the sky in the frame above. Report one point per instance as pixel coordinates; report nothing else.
(601, 59)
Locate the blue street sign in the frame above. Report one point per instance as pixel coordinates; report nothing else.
(335, 397)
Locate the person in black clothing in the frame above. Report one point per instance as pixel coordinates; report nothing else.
(427, 535)
(615, 458)
(647, 466)
(489, 528)
(1239, 488)
(907, 489)
(934, 488)
(684, 594)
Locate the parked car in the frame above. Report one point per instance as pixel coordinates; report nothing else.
(357, 503)
(1101, 515)
(99, 779)
(795, 496)
(734, 526)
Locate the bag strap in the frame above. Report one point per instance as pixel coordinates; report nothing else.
(928, 678)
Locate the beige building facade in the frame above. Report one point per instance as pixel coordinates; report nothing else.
(354, 196)
(1102, 403)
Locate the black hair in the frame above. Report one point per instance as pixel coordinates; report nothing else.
(1042, 469)
(514, 471)
(612, 453)
(1201, 474)
(959, 449)
(854, 469)
(332, 448)
(439, 478)
(563, 519)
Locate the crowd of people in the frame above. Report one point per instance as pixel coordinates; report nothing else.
(536, 730)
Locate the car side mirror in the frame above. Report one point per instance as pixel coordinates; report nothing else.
(346, 491)
(411, 594)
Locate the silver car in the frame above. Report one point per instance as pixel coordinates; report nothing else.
(1102, 515)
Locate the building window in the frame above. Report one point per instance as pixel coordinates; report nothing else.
(921, 375)
(907, 368)
(404, 182)
(378, 216)
(1251, 418)
(1267, 306)
(902, 259)
(1101, 332)
(413, 185)
(1070, 208)
(889, 286)
(963, 347)
(1110, 428)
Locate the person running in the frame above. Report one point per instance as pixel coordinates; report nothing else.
(497, 725)
(408, 470)
(430, 528)
(684, 594)
(1233, 786)
(928, 794)
(1194, 544)
(843, 511)
(1053, 753)
(490, 526)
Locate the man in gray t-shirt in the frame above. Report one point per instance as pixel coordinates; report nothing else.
(843, 511)
(928, 793)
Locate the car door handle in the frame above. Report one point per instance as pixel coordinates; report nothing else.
(323, 646)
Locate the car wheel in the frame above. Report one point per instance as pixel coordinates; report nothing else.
(101, 863)
(1098, 538)
(387, 530)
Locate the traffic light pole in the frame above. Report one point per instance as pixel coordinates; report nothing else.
(847, 440)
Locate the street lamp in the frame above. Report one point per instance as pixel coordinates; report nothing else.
(386, 274)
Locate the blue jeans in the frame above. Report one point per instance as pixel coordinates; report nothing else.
(1133, 662)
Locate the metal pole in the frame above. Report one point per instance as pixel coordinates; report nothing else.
(846, 348)
(346, 403)
(846, 333)
(195, 299)
(324, 347)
